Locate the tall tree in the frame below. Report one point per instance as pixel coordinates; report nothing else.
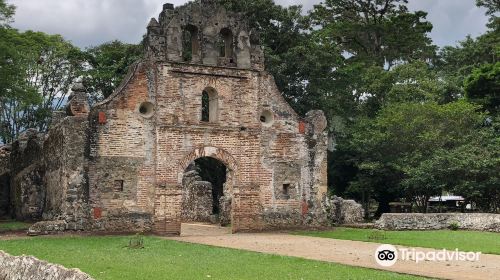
(7, 11)
(108, 65)
(483, 87)
(39, 70)
(379, 32)
(396, 148)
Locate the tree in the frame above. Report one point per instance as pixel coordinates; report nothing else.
(399, 144)
(37, 72)
(6, 13)
(108, 65)
(483, 87)
(472, 170)
(380, 32)
(492, 6)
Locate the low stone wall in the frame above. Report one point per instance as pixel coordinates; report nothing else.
(417, 221)
(30, 268)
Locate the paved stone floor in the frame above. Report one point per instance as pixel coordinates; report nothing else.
(353, 253)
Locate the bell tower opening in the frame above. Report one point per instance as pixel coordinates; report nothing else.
(190, 43)
(226, 43)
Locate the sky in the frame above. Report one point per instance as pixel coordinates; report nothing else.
(89, 23)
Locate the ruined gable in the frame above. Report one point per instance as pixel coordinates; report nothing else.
(200, 93)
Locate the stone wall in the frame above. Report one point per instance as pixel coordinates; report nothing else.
(47, 172)
(417, 221)
(197, 200)
(27, 192)
(4, 180)
(344, 211)
(65, 180)
(30, 268)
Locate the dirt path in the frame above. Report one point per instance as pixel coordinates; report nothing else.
(354, 253)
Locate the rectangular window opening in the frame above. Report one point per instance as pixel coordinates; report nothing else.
(286, 191)
(118, 186)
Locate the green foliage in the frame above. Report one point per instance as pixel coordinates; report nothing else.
(466, 241)
(6, 13)
(136, 242)
(396, 149)
(37, 71)
(377, 32)
(454, 226)
(108, 65)
(107, 258)
(492, 6)
(483, 87)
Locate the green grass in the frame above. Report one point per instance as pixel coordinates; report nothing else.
(109, 258)
(13, 226)
(485, 242)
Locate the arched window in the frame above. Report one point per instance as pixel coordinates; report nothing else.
(209, 105)
(226, 43)
(190, 43)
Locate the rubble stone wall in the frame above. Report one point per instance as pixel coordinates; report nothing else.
(344, 211)
(65, 178)
(436, 221)
(30, 268)
(27, 193)
(197, 200)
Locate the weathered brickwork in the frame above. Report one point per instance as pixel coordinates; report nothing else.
(151, 129)
(121, 167)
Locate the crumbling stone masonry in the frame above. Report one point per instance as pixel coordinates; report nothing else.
(196, 198)
(30, 268)
(437, 221)
(201, 91)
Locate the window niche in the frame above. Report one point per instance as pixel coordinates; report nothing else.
(190, 43)
(226, 43)
(209, 105)
(118, 186)
(286, 191)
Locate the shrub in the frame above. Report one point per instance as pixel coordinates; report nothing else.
(454, 226)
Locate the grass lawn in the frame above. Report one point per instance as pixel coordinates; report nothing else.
(485, 242)
(13, 226)
(110, 258)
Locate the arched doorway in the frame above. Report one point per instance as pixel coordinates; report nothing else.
(206, 197)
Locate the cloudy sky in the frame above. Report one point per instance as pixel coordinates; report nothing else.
(92, 22)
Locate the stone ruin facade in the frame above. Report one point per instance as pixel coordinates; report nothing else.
(200, 91)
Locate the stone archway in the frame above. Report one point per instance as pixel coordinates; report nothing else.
(209, 151)
(224, 201)
(168, 198)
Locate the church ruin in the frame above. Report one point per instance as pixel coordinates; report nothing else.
(197, 131)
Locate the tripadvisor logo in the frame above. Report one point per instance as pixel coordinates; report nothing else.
(387, 255)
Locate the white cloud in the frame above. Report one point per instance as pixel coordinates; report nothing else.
(92, 22)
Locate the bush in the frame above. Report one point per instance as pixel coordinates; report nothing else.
(136, 242)
(454, 226)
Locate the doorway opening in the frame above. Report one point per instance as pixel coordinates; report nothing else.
(205, 195)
